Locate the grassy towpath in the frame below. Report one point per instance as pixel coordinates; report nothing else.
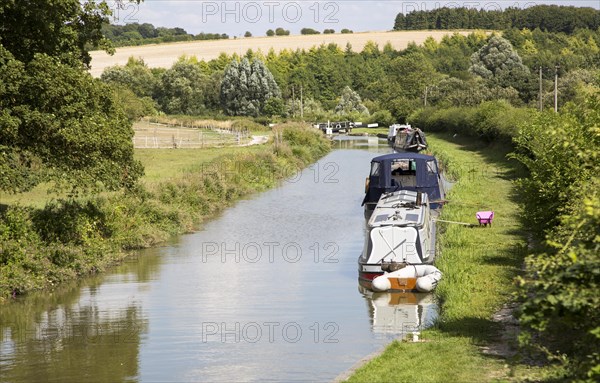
(467, 344)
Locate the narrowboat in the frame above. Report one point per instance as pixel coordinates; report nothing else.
(400, 246)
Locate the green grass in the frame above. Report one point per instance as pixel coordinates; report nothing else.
(159, 165)
(37, 197)
(478, 265)
(165, 164)
(439, 360)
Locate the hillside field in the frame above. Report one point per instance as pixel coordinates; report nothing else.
(164, 55)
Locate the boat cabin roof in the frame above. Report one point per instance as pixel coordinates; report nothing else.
(400, 209)
(403, 156)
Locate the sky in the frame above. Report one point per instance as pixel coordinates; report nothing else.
(257, 16)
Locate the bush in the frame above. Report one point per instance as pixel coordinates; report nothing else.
(492, 120)
(282, 32)
(560, 310)
(309, 31)
(274, 107)
(255, 125)
(382, 117)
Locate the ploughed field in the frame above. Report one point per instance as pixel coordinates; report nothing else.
(164, 55)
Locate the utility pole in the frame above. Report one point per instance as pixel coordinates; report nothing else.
(541, 91)
(556, 68)
(293, 103)
(301, 104)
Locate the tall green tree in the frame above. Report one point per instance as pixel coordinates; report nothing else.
(497, 60)
(182, 89)
(500, 64)
(65, 29)
(56, 121)
(350, 102)
(246, 87)
(134, 75)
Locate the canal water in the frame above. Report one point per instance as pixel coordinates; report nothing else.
(267, 291)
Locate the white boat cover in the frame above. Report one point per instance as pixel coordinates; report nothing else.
(394, 244)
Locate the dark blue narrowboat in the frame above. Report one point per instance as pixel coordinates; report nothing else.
(404, 171)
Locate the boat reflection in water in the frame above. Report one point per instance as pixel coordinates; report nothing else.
(399, 314)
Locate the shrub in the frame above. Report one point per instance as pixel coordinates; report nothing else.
(561, 195)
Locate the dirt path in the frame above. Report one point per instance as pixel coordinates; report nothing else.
(257, 140)
(164, 55)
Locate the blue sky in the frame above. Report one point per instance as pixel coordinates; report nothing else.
(236, 17)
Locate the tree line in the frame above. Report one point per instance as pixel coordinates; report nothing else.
(456, 71)
(146, 33)
(549, 18)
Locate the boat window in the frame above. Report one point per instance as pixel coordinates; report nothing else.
(404, 167)
(375, 166)
(412, 217)
(381, 218)
(400, 167)
(431, 167)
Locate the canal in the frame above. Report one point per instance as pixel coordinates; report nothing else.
(267, 291)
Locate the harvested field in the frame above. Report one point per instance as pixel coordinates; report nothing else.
(164, 55)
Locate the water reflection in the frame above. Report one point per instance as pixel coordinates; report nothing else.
(399, 314)
(371, 143)
(81, 331)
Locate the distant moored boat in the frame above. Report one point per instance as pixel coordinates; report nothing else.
(409, 139)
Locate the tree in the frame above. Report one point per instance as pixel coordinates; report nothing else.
(411, 73)
(65, 29)
(248, 34)
(147, 31)
(281, 32)
(58, 123)
(135, 107)
(246, 87)
(270, 32)
(309, 31)
(501, 65)
(452, 91)
(181, 89)
(497, 60)
(350, 102)
(135, 75)
(61, 125)
(329, 31)
(559, 288)
(553, 18)
(346, 30)
(274, 107)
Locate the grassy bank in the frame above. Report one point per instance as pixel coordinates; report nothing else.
(479, 266)
(159, 165)
(41, 247)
